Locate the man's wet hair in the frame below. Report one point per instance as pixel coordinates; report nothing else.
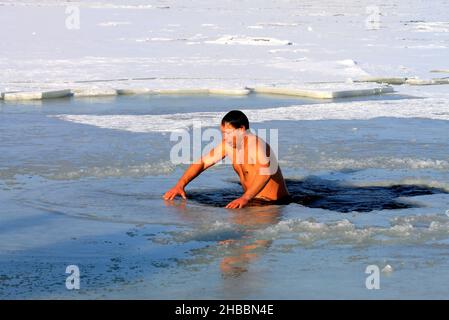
(236, 118)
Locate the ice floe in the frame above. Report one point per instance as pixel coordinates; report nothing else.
(405, 108)
(247, 40)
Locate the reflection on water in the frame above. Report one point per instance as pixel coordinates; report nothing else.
(242, 252)
(240, 248)
(331, 195)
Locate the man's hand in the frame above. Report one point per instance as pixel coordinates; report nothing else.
(175, 191)
(238, 203)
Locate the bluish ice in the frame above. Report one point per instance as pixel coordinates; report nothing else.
(80, 190)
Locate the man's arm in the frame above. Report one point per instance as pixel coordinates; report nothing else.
(262, 163)
(215, 155)
(257, 185)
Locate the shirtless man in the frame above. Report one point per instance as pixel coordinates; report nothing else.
(252, 159)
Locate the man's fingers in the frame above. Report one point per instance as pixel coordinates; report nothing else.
(232, 205)
(170, 195)
(236, 204)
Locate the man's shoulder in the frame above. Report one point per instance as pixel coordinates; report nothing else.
(257, 141)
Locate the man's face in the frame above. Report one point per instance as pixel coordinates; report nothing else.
(233, 137)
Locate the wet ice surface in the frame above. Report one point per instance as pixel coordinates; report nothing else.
(374, 191)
